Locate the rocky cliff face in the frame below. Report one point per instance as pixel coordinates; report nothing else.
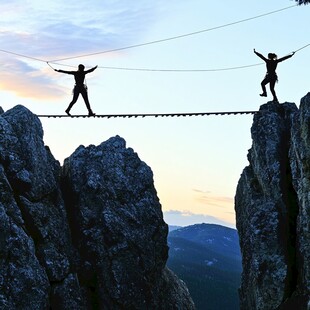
(272, 205)
(88, 235)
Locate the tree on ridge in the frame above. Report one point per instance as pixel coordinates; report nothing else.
(300, 2)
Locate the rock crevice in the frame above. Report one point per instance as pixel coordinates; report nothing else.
(272, 209)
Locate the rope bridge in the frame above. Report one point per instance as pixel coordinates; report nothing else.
(149, 115)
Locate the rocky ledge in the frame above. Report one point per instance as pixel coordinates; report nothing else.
(88, 235)
(272, 205)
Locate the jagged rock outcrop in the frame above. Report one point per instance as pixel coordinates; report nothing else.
(273, 210)
(88, 235)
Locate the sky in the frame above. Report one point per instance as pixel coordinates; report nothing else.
(196, 161)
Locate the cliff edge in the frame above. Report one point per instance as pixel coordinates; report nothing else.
(272, 206)
(88, 235)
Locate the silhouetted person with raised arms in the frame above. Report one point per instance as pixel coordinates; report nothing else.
(79, 88)
(271, 76)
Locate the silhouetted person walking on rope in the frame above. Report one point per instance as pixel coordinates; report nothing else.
(79, 88)
(271, 76)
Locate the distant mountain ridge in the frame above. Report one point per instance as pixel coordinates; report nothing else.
(217, 237)
(207, 257)
(173, 227)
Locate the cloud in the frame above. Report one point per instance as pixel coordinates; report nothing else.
(57, 29)
(206, 198)
(25, 81)
(216, 201)
(201, 191)
(185, 218)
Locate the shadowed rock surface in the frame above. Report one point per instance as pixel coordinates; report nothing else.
(273, 210)
(88, 235)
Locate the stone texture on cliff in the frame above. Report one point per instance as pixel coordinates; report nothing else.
(272, 209)
(35, 239)
(89, 235)
(118, 226)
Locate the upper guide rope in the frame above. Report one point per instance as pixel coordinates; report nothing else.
(176, 37)
(159, 41)
(148, 69)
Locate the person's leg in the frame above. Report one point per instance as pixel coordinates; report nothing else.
(85, 97)
(74, 99)
(264, 82)
(272, 85)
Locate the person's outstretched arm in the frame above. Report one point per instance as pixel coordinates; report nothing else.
(286, 57)
(91, 70)
(63, 71)
(260, 55)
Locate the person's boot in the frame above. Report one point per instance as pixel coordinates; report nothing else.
(263, 95)
(69, 108)
(91, 113)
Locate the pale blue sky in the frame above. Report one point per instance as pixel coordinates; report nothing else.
(196, 161)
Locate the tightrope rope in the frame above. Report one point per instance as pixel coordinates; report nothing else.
(149, 115)
(146, 69)
(159, 41)
(177, 37)
(181, 70)
(302, 48)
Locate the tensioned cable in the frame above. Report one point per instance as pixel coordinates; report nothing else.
(133, 69)
(149, 115)
(148, 69)
(164, 70)
(157, 41)
(176, 37)
(176, 70)
(302, 48)
(181, 70)
(21, 55)
(145, 69)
